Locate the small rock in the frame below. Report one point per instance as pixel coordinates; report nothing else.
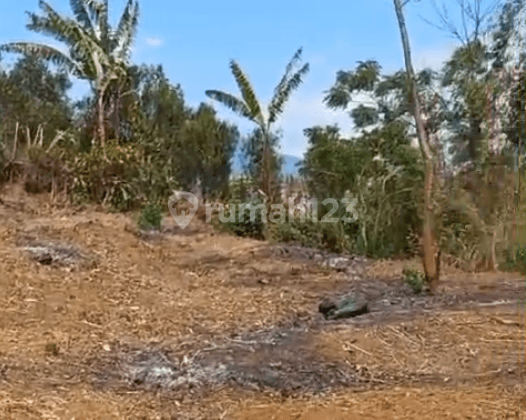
(327, 307)
(351, 311)
(45, 259)
(348, 308)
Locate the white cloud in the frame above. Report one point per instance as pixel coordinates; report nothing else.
(154, 41)
(306, 110)
(434, 57)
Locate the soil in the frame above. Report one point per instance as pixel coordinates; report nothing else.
(99, 321)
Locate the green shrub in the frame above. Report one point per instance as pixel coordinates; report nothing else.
(330, 236)
(150, 217)
(240, 191)
(520, 259)
(107, 176)
(243, 225)
(414, 278)
(515, 260)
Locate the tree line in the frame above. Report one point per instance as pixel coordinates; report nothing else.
(436, 163)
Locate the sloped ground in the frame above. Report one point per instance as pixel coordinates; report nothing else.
(97, 322)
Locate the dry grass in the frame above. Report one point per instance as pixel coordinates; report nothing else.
(68, 330)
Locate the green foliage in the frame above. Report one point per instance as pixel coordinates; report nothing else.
(35, 98)
(331, 164)
(255, 163)
(364, 78)
(183, 147)
(288, 83)
(238, 217)
(150, 216)
(382, 171)
(364, 116)
(109, 176)
(389, 94)
(244, 224)
(207, 146)
(173, 146)
(518, 260)
(414, 278)
(328, 236)
(460, 231)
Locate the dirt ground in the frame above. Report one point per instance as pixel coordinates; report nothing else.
(98, 321)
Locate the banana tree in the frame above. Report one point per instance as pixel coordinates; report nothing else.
(248, 106)
(96, 52)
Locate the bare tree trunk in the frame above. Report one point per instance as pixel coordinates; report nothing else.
(493, 264)
(266, 169)
(28, 135)
(100, 119)
(116, 100)
(430, 250)
(15, 144)
(429, 240)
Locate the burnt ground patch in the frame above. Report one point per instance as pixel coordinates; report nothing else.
(55, 252)
(279, 361)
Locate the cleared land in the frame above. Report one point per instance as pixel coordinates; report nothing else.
(97, 322)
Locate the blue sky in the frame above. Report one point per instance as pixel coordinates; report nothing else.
(195, 41)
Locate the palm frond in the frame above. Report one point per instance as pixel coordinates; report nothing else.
(126, 31)
(81, 43)
(295, 59)
(230, 101)
(104, 25)
(81, 14)
(84, 48)
(282, 95)
(247, 93)
(98, 14)
(45, 52)
(52, 24)
(93, 8)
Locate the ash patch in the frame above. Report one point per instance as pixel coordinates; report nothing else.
(283, 361)
(276, 361)
(353, 265)
(55, 253)
(154, 370)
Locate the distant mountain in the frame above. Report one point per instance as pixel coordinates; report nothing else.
(289, 164)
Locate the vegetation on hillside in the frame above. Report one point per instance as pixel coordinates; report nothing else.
(435, 166)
